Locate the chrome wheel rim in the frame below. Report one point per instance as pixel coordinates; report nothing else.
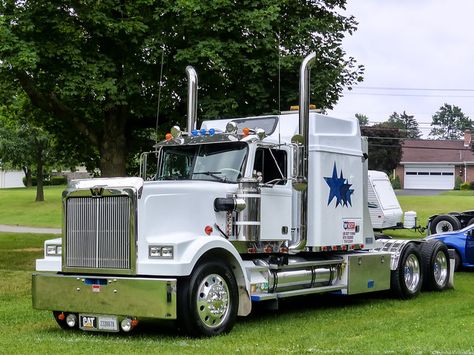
(213, 301)
(444, 226)
(440, 268)
(412, 273)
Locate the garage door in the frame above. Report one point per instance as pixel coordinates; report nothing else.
(429, 177)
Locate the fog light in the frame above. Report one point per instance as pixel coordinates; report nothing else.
(126, 325)
(71, 320)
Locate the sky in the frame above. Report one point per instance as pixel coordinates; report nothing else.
(418, 55)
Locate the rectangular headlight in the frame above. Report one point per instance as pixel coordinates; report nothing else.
(53, 250)
(160, 252)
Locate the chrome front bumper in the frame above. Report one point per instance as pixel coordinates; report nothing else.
(127, 296)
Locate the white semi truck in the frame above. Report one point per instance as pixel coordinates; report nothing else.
(239, 211)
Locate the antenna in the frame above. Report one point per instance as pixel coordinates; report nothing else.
(279, 84)
(159, 97)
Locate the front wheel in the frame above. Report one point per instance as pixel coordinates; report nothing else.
(407, 279)
(208, 300)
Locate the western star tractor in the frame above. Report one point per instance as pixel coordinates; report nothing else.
(236, 212)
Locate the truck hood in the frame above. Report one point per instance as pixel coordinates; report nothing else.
(180, 207)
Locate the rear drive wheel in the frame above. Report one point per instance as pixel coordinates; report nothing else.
(444, 223)
(407, 279)
(436, 266)
(208, 300)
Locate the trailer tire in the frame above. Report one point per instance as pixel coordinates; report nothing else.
(407, 279)
(436, 265)
(444, 223)
(208, 300)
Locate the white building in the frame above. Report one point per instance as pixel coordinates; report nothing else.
(11, 178)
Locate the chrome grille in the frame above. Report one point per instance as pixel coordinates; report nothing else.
(98, 233)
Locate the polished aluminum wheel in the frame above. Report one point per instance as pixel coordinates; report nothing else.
(440, 267)
(412, 273)
(213, 301)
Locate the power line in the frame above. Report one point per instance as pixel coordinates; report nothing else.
(407, 95)
(409, 89)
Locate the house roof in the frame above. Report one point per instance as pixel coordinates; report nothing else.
(435, 151)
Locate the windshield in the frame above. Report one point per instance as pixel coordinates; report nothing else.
(214, 162)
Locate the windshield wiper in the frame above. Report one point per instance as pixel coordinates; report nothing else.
(214, 174)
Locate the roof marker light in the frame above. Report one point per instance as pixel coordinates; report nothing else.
(246, 131)
(203, 131)
(212, 131)
(168, 136)
(194, 132)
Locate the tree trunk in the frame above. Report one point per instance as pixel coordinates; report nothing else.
(39, 174)
(28, 178)
(113, 146)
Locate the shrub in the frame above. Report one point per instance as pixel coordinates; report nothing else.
(465, 186)
(33, 181)
(396, 183)
(58, 180)
(457, 183)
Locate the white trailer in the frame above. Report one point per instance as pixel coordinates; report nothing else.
(240, 211)
(384, 208)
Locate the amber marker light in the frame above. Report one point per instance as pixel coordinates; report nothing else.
(168, 136)
(61, 316)
(246, 131)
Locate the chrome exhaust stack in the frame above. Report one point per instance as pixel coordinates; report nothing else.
(192, 98)
(301, 141)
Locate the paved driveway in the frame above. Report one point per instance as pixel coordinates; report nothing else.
(23, 229)
(414, 192)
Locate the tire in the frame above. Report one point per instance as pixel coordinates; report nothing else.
(444, 223)
(471, 221)
(436, 265)
(407, 279)
(208, 300)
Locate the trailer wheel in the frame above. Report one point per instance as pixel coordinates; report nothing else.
(436, 266)
(208, 300)
(407, 279)
(444, 223)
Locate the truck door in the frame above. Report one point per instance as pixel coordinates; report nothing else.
(470, 246)
(276, 193)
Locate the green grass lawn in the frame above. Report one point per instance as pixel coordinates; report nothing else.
(432, 323)
(18, 207)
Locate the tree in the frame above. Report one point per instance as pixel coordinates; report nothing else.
(385, 150)
(450, 122)
(94, 66)
(363, 119)
(406, 124)
(23, 145)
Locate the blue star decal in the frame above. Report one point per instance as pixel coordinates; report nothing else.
(339, 189)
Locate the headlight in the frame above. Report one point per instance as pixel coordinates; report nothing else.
(160, 251)
(53, 250)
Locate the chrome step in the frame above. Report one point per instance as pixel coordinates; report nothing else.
(305, 291)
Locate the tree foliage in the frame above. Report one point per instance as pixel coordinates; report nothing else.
(363, 119)
(26, 146)
(385, 150)
(407, 124)
(449, 122)
(94, 66)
